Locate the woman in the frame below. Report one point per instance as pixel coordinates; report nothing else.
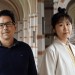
(59, 58)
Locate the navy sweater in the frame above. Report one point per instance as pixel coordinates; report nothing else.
(17, 60)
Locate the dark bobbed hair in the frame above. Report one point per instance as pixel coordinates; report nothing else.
(59, 16)
(8, 13)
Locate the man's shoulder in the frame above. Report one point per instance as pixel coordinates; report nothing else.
(23, 44)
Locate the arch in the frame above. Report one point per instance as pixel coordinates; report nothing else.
(71, 10)
(32, 6)
(13, 5)
(17, 8)
(26, 9)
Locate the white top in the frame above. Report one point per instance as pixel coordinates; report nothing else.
(57, 60)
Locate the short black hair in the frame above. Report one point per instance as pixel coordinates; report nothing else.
(8, 13)
(60, 15)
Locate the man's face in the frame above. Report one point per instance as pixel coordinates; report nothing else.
(7, 28)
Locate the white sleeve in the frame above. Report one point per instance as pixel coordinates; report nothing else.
(48, 64)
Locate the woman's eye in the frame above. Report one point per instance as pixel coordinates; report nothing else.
(68, 24)
(60, 25)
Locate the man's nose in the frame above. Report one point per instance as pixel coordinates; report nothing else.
(4, 26)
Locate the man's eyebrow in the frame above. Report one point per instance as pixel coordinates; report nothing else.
(6, 22)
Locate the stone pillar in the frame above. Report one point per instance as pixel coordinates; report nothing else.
(20, 30)
(25, 31)
(41, 32)
(55, 5)
(33, 29)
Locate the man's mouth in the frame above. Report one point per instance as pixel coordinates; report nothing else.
(5, 32)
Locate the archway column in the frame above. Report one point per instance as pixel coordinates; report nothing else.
(25, 31)
(41, 32)
(55, 5)
(33, 29)
(20, 30)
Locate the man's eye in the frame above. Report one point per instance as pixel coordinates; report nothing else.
(10, 23)
(1, 24)
(7, 23)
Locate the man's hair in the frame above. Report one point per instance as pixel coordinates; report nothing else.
(8, 13)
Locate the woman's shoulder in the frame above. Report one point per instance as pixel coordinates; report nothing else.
(51, 48)
(73, 45)
(54, 47)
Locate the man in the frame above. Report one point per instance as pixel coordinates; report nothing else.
(16, 57)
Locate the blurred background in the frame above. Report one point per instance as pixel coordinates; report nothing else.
(33, 22)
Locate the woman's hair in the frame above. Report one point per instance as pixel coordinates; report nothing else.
(59, 16)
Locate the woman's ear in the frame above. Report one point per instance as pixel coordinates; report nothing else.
(54, 32)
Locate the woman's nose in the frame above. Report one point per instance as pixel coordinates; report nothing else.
(65, 26)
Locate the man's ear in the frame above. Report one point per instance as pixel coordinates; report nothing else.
(15, 28)
(53, 30)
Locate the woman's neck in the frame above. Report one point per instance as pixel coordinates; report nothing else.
(63, 40)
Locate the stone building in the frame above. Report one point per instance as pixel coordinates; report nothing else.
(33, 22)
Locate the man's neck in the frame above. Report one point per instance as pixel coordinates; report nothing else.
(7, 43)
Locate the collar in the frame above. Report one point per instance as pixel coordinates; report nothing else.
(58, 40)
(14, 44)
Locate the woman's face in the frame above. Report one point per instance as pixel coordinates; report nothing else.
(63, 29)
